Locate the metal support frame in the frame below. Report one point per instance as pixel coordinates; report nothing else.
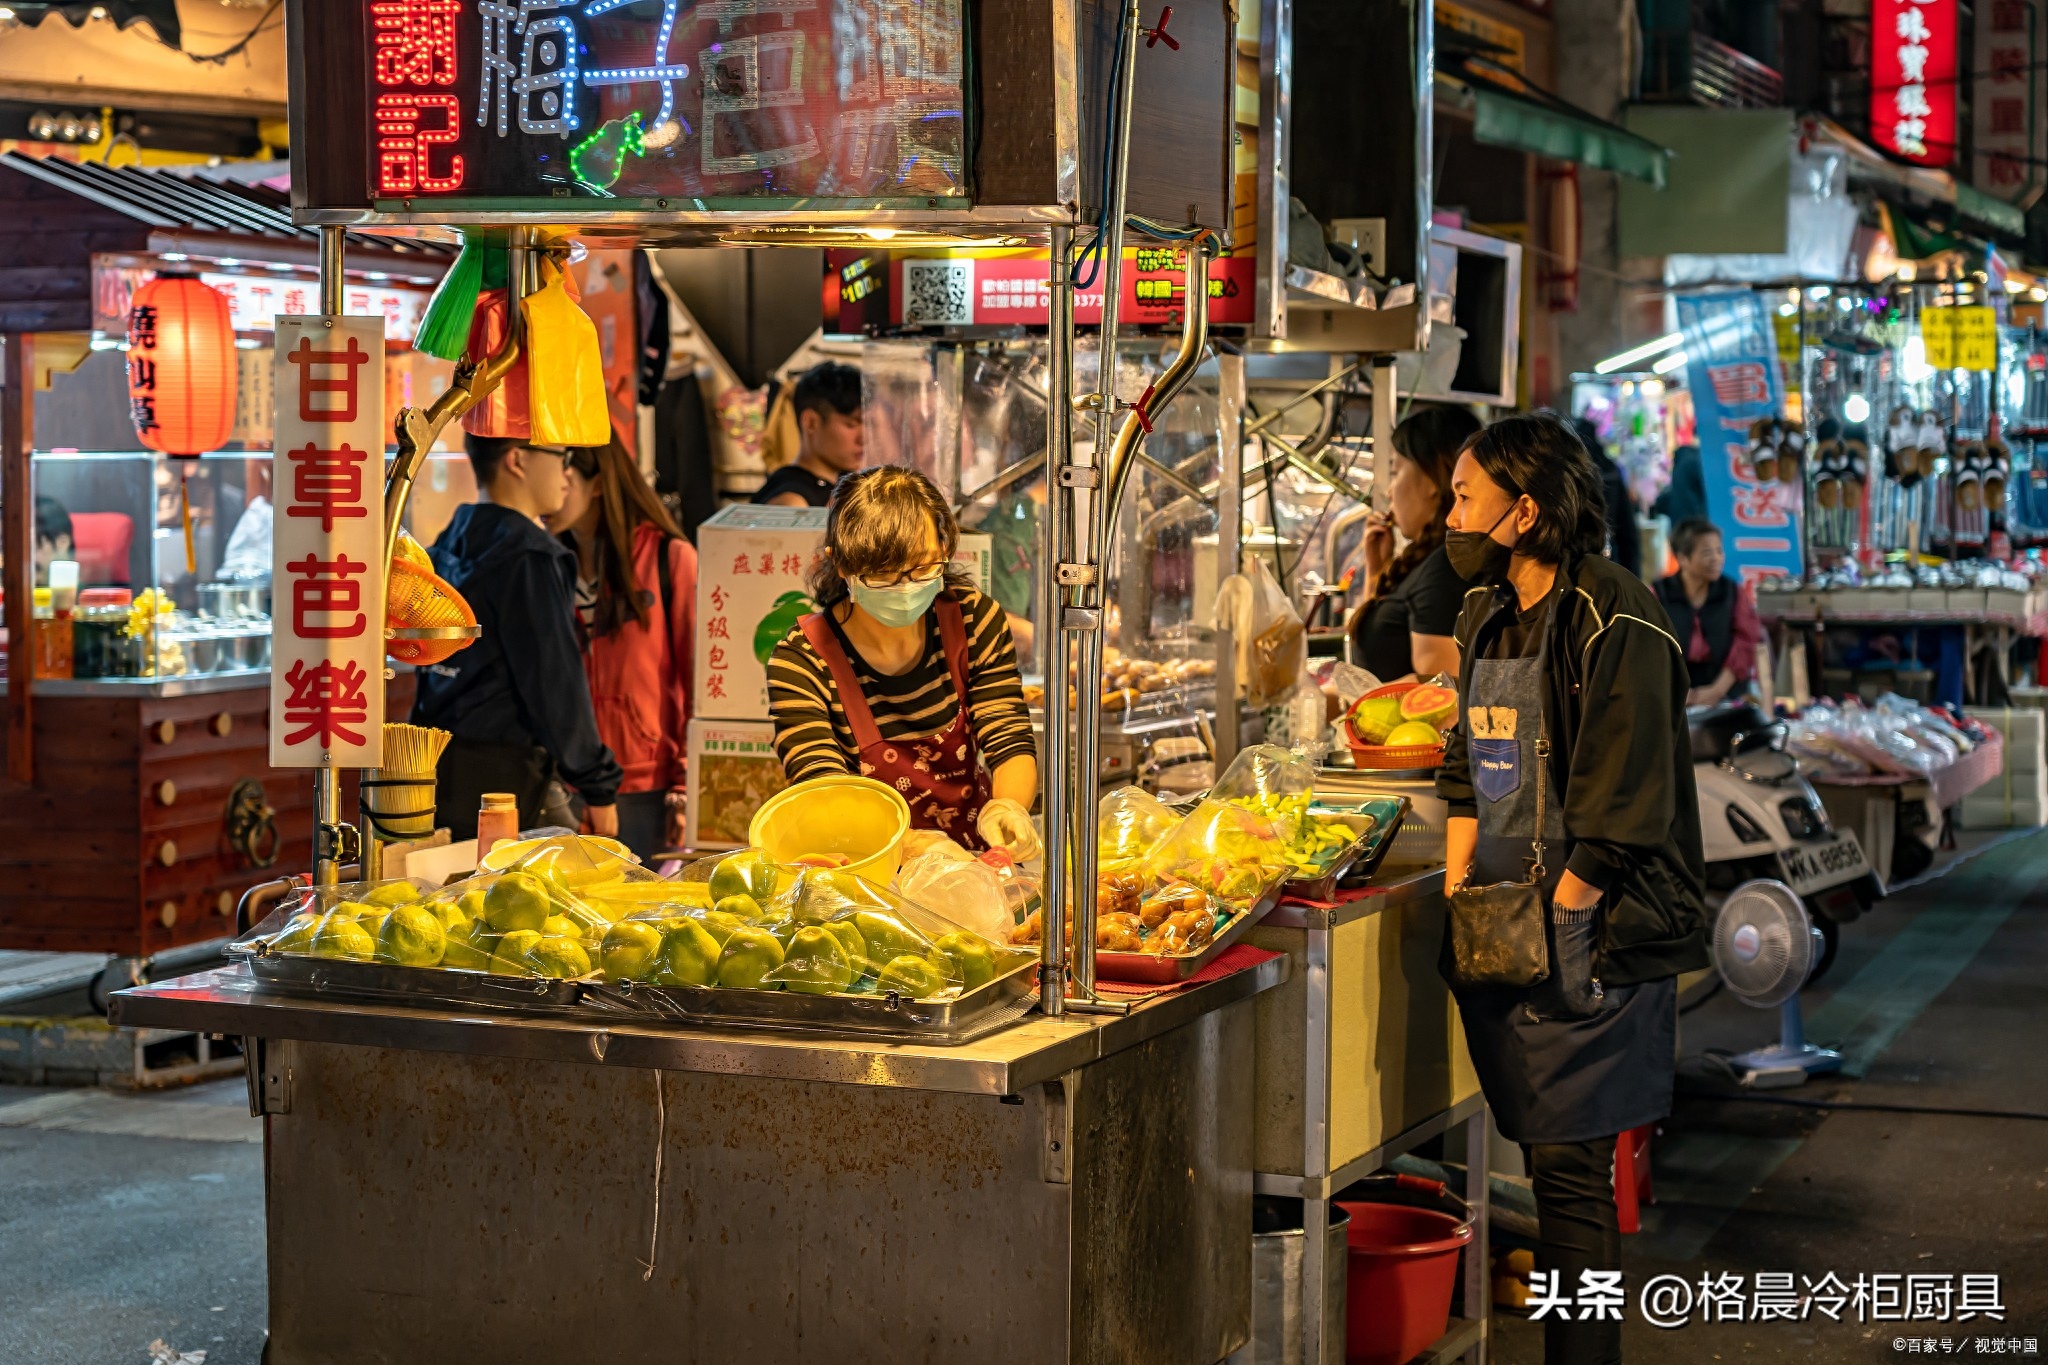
(1319, 1185)
(1052, 638)
(1230, 398)
(330, 835)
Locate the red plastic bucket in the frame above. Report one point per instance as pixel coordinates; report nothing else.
(1403, 1265)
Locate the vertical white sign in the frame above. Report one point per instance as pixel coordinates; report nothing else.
(327, 551)
(2007, 104)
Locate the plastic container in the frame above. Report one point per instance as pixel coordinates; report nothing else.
(855, 818)
(1402, 1267)
(497, 820)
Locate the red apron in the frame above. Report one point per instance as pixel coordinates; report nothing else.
(941, 776)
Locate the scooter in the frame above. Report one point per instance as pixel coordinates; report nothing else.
(1760, 818)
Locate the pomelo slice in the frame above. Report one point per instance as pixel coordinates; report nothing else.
(1437, 706)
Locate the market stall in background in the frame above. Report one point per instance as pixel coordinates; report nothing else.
(139, 505)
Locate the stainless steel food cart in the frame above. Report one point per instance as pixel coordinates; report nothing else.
(492, 1187)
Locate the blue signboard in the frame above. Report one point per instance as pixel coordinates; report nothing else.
(1731, 366)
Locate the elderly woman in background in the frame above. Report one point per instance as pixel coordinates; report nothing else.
(1711, 615)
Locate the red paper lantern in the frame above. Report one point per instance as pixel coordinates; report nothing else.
(181, 366)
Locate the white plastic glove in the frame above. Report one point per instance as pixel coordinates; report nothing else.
(1006, 825)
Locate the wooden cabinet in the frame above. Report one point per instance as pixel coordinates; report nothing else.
(121, 843)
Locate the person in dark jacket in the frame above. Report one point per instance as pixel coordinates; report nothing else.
(1711, 615)
(1624, 545)
(1573, 726)
(1685, 497)
(516, 701)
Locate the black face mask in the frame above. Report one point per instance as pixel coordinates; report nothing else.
(1476, 556)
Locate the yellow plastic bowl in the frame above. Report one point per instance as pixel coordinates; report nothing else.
(855, 818)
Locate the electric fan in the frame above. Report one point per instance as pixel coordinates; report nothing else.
(1765, 946)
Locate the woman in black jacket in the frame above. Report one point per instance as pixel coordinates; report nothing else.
(1574, 707)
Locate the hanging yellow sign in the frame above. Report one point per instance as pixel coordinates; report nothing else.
(1960, 338)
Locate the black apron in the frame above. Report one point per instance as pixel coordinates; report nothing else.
(1565, 1060)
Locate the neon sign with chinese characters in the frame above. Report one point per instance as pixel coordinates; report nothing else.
(1913, 79)
(689, 100)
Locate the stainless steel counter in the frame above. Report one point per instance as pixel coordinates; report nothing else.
(1005, 1063)
(195, 685)
(518, 1190)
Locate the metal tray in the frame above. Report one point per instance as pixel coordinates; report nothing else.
(327, 976)
(976, 1014)
(1356, 864)
(1153, 970)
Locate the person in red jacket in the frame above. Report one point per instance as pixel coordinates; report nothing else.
(636, 595)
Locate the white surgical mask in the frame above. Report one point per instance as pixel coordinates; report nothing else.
(901, 605)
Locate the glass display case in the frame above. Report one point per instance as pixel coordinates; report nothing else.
(173, 559)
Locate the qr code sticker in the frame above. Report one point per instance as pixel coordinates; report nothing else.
(938, 292)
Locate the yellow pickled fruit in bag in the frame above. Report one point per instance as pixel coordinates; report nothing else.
(565, 370)
(519, 900)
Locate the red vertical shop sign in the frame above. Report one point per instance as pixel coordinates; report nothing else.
(1913, 79)
(327, 544)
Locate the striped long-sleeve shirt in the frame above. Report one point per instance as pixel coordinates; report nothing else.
(812, 734)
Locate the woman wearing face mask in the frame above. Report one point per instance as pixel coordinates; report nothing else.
(1569, 782)
(905, 673)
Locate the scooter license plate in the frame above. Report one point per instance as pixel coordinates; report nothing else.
(1817, 866)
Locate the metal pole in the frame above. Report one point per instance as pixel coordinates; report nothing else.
(17, 510)
(1229, 554)
(327, 822)
(1385, 412)
(1052, 640)
(1091, 563)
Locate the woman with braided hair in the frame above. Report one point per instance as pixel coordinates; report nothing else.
(1402, 628)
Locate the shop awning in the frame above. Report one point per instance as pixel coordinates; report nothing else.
(1921, 188)
(1530, 119)
(161, 15)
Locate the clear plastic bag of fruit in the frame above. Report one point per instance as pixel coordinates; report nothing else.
(1129, 823)
(823, 932)
(343, 922)
(513, 923)
(1227, 849)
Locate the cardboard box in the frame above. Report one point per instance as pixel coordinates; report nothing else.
(2026, 736)
(1989, 808)
(751, 589)
(733, 770)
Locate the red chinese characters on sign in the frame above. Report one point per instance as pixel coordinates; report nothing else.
(415, 41)
(324, 702)
(2010, 145)
(1744, 382)
(327, 598)
(326, 484)
(327, 552)
(328, 380)
(416, 58)
(409, 128)
(1913, 79)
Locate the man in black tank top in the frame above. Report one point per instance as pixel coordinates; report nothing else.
(827, 400)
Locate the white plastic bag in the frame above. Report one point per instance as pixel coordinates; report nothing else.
(1272, 643)
(970, 893)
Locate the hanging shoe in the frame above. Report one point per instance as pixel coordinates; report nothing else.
(1791, 454)
(1764, 433)
(1969, 477)
(1997, 473)
(1855, 475)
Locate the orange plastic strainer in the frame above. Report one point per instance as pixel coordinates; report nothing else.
(419, 599)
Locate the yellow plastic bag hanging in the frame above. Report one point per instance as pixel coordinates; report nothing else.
(565, 371)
